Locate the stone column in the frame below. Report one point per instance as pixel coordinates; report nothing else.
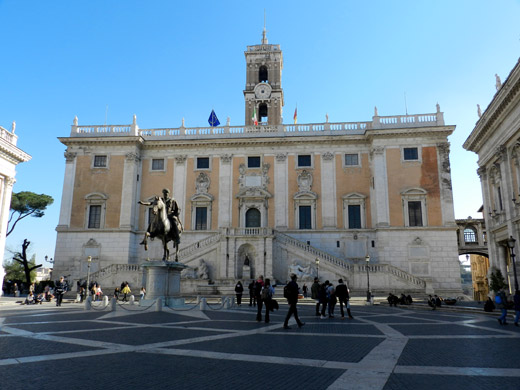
(67, 192)
(446, 194)
(281, 200)
(328, 191)
(179, 184)
(6, 189)
(379, 192)
(129, 191)
(225, 190)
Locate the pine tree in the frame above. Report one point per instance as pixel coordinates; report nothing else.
(497, 281)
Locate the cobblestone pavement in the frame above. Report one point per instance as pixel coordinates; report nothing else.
(45, 347)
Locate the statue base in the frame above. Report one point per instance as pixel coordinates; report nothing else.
(163, 281)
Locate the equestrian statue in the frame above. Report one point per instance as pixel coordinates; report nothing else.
(165, 223)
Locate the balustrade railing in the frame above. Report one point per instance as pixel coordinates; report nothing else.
(378, 122)
(204, 243)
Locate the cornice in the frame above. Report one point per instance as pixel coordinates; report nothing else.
(506, 96)
(12, 153)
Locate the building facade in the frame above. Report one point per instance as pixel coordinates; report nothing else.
(496, 140)
(268, 198)
(10, 157)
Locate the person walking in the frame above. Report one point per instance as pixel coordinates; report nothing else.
(142, 293)
(267, 298)
(322, 298)
(292, 300)
(501, 300)
(331, 299)
(252, 299)
(61, 288)
(343, 298)
(239, 289)
(259, 284)
(305, 290)
(314, 294)
(126, 290)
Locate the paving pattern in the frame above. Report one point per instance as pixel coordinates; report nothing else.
(44, 347)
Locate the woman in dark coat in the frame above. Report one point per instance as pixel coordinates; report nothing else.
(239, 289)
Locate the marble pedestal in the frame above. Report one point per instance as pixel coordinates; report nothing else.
(163, 281)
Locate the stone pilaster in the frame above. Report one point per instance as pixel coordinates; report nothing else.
(179, 185)
(225, 189)
(328, 191)
(379, 191)
(129, 191)
(281, 197)
(68, 189)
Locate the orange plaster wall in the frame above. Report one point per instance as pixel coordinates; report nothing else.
(105, 181)
(402, 176)
(354, 179)
(152, 184)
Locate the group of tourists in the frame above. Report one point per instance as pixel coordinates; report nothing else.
(327, 296)
(393, 300)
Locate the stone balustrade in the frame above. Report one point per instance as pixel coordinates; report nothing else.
(8, 136)
(314, 129)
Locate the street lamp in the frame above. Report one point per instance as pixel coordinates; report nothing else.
(369, 295)
(317, 261)
(87, 292)
(511, 244)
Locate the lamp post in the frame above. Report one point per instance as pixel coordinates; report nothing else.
(369, 295)
(511, 244)
(87, 292)
(317, 261)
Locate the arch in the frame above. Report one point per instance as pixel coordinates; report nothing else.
(263, 74)
(244, 271)
(253, 217)
(263, 112)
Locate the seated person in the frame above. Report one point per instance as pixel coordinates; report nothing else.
(40, 298)
(30, 299)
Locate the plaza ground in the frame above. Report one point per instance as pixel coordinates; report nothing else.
(45, 347)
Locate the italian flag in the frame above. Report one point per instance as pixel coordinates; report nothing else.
(255, 121)
(296, 115)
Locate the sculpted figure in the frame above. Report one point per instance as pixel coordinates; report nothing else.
(165, 224)
(189, 273)
(202, 270)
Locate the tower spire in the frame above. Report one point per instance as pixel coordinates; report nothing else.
(264, 37)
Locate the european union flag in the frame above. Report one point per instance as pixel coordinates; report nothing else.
(213, 120)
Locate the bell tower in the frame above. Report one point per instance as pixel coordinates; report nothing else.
(263, 94)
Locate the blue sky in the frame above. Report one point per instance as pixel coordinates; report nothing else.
(165, 60)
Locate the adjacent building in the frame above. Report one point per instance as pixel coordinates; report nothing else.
(496, 140)
(267, 197)
(10, 157)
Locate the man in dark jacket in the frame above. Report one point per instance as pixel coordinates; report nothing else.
(292, 300)
(61, 288)
(314, 294)
(343, 297)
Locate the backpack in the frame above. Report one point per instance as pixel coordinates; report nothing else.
(266, 294)
(286, 291)
(498, 299)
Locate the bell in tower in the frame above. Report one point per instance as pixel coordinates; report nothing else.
(263, 93)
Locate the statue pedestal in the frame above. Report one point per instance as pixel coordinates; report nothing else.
(163, 281)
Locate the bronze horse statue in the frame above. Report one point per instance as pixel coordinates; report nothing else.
(161, 227)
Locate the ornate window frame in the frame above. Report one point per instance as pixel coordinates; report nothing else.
(345, 165)
(202, 199)
(416, 194)
(354, 199)
(95, 199)
(163, 169)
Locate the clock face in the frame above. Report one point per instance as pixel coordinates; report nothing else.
(262, 91)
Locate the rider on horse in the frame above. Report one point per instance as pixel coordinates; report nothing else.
(172, 210)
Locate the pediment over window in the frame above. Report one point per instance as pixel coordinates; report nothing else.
(202, 198)
(354, 196)
(96, 196)
(253, 192)
(414, 191)
(302, 195)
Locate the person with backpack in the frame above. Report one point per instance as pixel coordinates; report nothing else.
(290, 292)
(343, 298)
(259, 284)
(322, 298)
(267, 297)
(239, 289)
(501, 301)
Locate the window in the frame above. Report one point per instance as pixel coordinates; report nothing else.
(100, 161)
(202, 162)
(354, 211)
(414, 213)
(253, 162)
(414, 207)
(470, 235)
(304, 160)
(94, 217)
(263, 74)
(351, 159)
(263, 113)
(201, 218)
(410, 154)
(95, 210)
(305, 217)
(253, 218)
(354, 216)
(157, 164)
